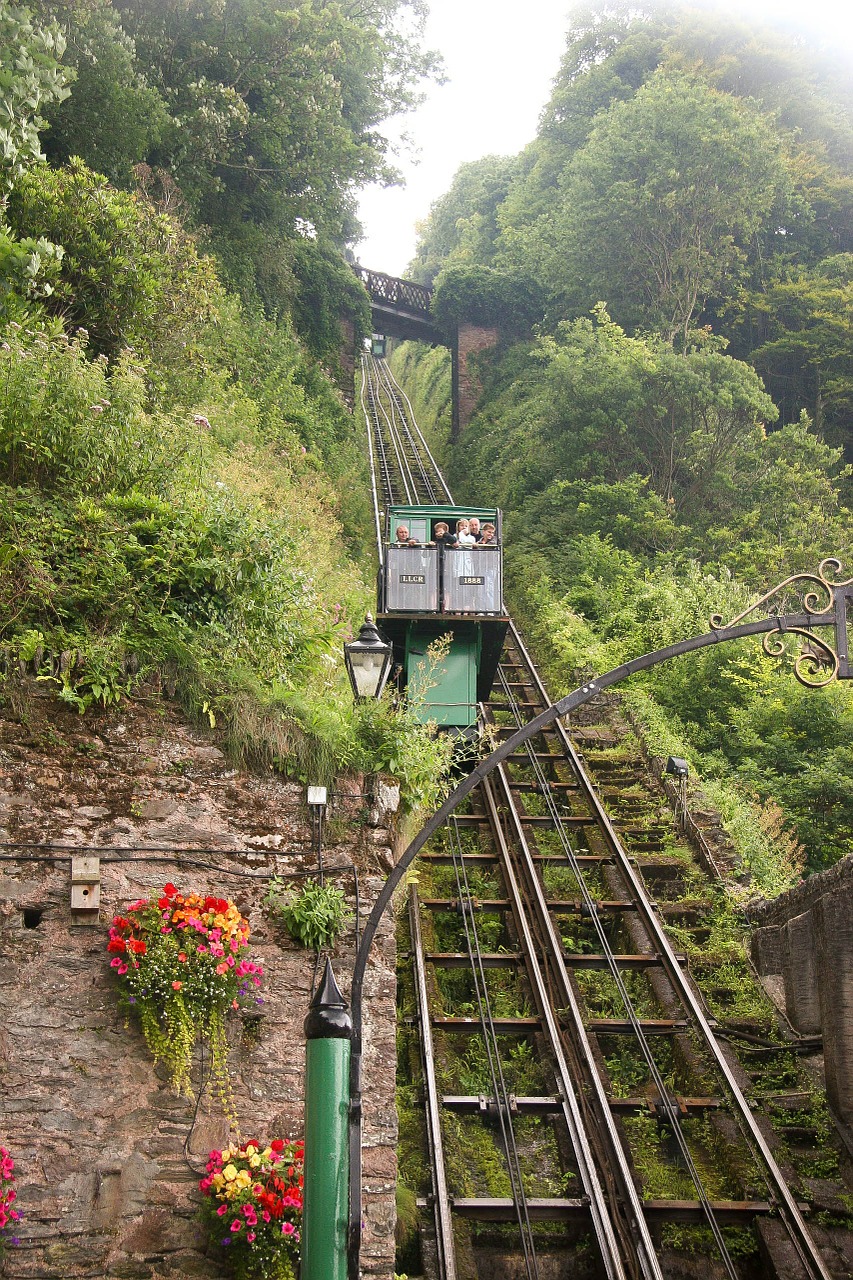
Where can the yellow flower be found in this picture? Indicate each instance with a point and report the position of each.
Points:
(254, 1161)
(229, 1173)
(218, 1181)
(243, 1178)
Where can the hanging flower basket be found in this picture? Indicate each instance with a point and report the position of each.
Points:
(253, 1208)
(9, 1217)
(182, 965)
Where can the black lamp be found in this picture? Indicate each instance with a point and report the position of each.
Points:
(678, 767)
(368, 661)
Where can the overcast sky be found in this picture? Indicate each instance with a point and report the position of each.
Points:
(500, 58)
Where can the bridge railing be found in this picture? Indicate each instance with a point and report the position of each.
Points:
(405, 295)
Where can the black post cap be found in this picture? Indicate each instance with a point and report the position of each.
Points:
(328, 1017)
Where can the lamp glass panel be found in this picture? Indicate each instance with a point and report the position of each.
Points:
(367, 672)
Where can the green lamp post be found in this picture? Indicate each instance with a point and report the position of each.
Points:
(328, 1028)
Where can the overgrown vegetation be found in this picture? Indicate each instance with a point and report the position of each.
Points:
(182, 493)
(668, 435)
(314, 915)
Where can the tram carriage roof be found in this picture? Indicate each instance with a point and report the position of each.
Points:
(444, 511)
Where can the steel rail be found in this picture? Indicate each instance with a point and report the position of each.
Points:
(567, 1092)
(406, 478)
(399, 414)
(548, 719)
(423, 443)
(378, 436)
(637, 1233)
(790, 1213)
(553, 952)
(380, 547)
(500, 1092)
(441, 1199)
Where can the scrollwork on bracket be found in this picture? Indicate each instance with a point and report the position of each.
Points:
(817, 664)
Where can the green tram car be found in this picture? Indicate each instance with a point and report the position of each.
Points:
(427, 592)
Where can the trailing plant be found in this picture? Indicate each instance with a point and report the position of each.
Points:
(8, 1195)
(182, 967)
(314, 915)
(253, 1207)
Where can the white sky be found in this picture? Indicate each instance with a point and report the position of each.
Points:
(500, 58)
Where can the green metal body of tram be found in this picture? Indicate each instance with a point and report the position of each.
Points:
(429, 592)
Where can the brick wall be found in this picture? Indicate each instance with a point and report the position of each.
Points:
(98, 1136)
(467, 388)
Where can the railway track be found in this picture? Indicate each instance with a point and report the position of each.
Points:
(557, 1025)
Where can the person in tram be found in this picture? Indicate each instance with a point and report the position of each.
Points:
(403, 539)
(474, 528)
(488, 536)
(463, 535)
(442, 537)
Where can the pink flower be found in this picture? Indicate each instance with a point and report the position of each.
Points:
(250, 1236)
(236, 1225)
(222, 1210)
(287, 1228)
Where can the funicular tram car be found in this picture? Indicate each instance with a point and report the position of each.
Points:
(430, 591)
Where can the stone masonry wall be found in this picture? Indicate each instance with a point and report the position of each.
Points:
(107, 1154)
(806, 937)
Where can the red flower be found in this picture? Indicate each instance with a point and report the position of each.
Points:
(137, 946)
(163, 903)
(210, 903)
(276, 1144)
(116, 944)
(169, 890)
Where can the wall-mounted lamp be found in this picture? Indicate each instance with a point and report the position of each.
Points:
(368, 661)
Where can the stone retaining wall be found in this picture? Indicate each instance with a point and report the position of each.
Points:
(107, 1154)
(806, 936)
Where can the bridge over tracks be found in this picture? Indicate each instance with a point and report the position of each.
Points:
(400, 308)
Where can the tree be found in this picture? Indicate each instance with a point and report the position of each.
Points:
(807, 355)
(30, 78)
(462, 225)
(658, 207)
(130, 275)
(113, 118)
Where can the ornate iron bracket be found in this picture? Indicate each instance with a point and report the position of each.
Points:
(824, 601)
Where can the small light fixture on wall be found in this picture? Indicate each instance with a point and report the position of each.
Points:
(316, 799)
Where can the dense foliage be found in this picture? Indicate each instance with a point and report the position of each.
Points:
(668, 436)
(182, 491)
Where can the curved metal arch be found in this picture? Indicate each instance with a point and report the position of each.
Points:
(798, 624)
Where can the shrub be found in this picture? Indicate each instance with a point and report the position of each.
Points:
(130, 276)
(314, 915)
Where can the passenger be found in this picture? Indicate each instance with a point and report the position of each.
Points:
(474, 528)
(488, 538)
(463, 536)
(442, 537)
(403, 539)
